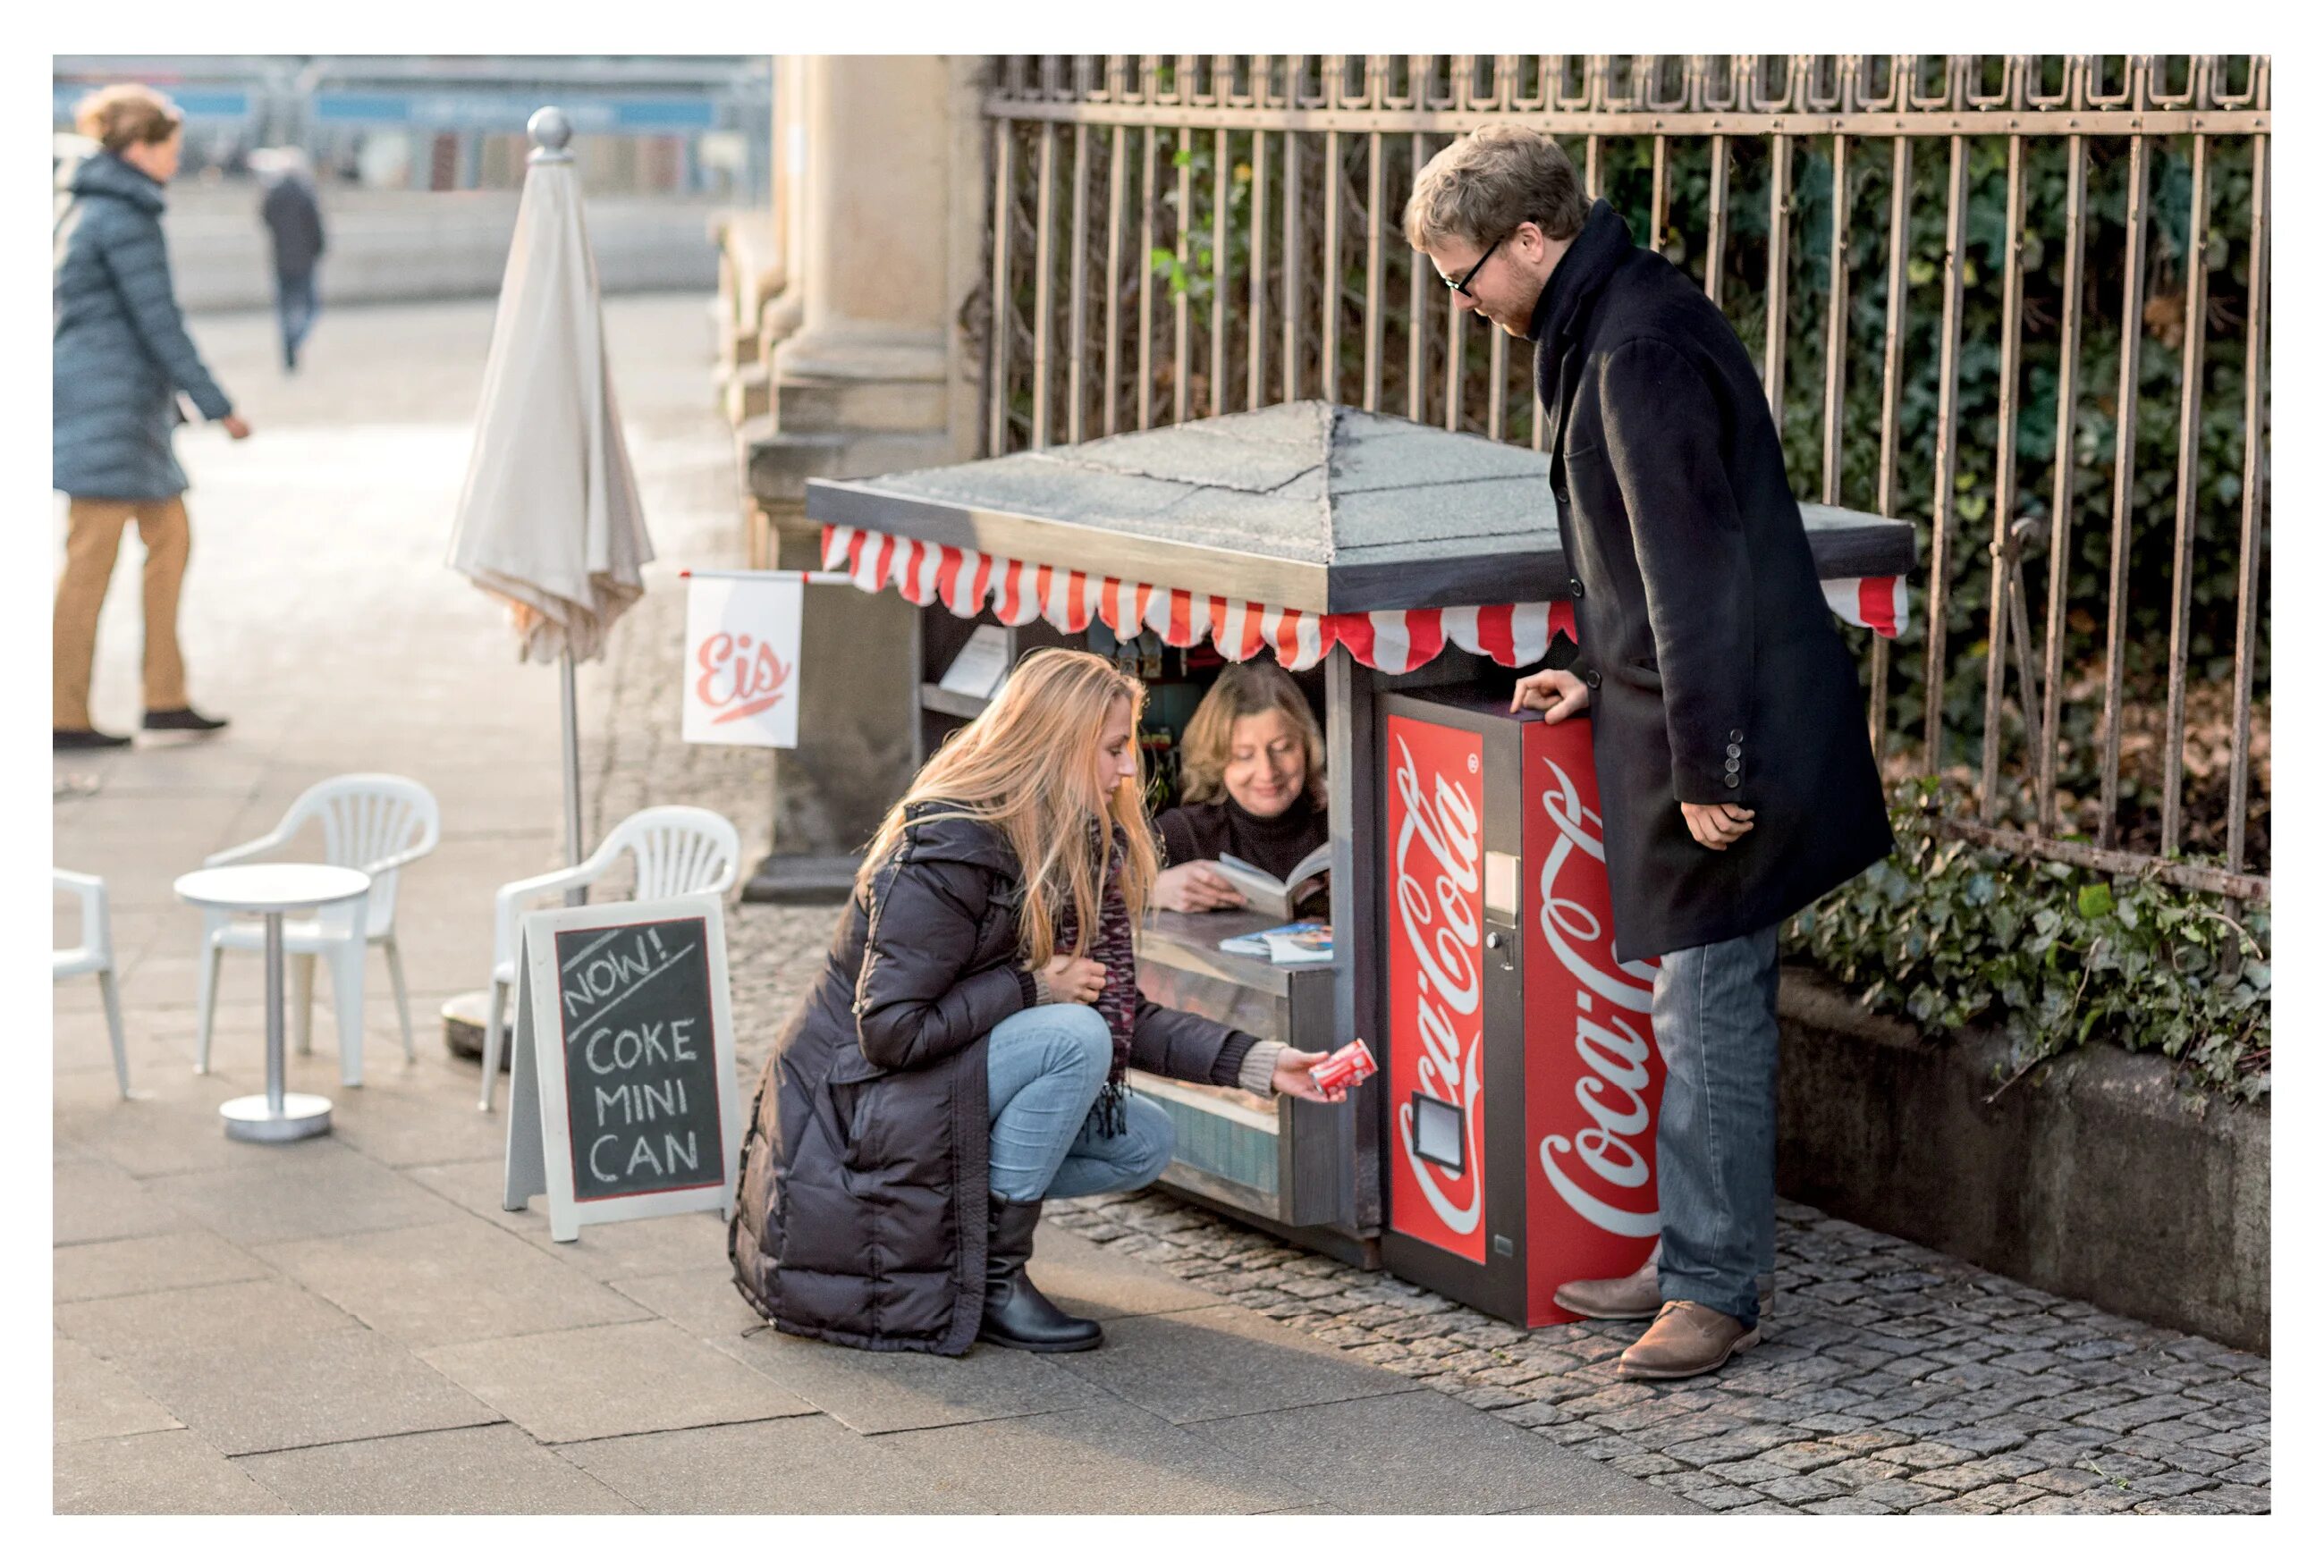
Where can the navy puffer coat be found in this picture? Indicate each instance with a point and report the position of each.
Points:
(121, 353)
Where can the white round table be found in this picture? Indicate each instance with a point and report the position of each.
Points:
(271, 890)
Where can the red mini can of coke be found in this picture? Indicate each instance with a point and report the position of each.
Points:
(1344, 1068)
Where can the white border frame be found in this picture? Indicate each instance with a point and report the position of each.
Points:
(539, 1132)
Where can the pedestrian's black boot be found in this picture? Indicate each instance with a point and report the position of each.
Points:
(182, 719)
(1016, 1313)
(86, 740)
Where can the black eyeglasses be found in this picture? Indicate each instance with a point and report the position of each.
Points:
(1461, 285)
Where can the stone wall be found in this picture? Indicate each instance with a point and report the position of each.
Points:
(2088, 1178)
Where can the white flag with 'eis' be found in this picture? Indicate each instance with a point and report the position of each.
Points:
(741, 674)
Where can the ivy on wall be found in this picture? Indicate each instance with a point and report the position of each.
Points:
(1949, 935)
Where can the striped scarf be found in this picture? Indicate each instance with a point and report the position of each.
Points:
(1116, 947)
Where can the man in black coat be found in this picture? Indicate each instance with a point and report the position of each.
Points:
(1734, 771)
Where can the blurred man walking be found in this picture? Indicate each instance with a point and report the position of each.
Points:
(294, 219)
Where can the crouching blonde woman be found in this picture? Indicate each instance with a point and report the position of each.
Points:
(961, 1057)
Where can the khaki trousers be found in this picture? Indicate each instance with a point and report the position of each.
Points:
(92, 544)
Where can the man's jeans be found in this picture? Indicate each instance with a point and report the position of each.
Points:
(1715, 1146)
(294, 311)
(1043, 1069)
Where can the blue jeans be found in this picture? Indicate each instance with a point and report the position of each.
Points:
(1715, 1146)
(1043, 1069)
(294, 311)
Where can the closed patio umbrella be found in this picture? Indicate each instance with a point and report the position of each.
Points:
(549, 520)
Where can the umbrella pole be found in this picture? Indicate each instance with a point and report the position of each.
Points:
(574, 896)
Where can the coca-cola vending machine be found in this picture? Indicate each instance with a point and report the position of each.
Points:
(1521, 1080)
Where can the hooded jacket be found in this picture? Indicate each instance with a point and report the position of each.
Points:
(120, 351)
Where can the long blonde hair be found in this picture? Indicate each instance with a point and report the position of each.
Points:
(1240, 691)
(1027, 765)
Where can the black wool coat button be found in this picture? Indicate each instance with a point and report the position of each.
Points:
(1590, 679)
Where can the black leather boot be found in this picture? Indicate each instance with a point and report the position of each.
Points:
(1016, 1313)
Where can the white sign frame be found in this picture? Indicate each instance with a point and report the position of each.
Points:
(540, 1130)
(749, 622)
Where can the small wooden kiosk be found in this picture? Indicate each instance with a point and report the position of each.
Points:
(1416, 570)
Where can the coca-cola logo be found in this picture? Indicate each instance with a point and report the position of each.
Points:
(739, 676)
(1613, 1037)
(1437, 914)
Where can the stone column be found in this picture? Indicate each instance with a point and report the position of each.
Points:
(883, 218)
(785, 189)
(782, 316)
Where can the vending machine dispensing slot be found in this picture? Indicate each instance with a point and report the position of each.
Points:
(1439, 1133)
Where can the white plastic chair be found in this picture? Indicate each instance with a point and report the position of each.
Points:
(678, 849)
(377, 823)
(94, 956)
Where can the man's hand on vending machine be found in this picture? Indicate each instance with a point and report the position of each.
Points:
(1556, 695)
(1718, 826)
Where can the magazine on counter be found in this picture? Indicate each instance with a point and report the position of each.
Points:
(1268, 895)
(1301, 942)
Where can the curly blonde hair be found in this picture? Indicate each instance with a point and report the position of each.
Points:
(1482, 186)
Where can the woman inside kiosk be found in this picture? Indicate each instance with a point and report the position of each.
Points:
(962, 1055)
(1253, 771)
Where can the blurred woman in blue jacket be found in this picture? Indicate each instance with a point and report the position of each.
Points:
(121, 358)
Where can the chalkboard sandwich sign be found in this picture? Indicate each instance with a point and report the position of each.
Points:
(623, 1103)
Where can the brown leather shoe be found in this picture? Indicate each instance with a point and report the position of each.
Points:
(1687, 1339)
(1633, 1295)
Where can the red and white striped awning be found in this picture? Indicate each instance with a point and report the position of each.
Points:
(970, 581)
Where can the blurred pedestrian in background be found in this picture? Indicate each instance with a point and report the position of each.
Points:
(295, 219)
(121, 357)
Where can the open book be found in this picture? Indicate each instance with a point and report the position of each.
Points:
(1267, 895)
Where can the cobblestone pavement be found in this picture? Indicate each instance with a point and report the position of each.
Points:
(1894, 1379)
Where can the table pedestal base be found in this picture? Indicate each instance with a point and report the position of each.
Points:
(269, 892)
(302, 1116)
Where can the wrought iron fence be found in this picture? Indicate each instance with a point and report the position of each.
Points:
(1937, 261)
